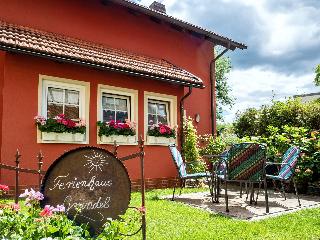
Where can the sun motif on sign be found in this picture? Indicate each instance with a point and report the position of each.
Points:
(95, 161)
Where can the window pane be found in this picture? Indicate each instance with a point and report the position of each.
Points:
(55, 95)
(152, 108)
(71, 111)
(152, 119)
(108, 103)
(162, 119)
(122, 116)
(54, 109)
(121, 104)
(108, 115)
(72, 97)
(162, 109)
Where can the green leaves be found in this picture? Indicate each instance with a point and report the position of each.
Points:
(317, 77)
(191, 148)
(255, 122)
(223, 89)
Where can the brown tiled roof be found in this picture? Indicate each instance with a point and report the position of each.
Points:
(207, 34)
(30, 41)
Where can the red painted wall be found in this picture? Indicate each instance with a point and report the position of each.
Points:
(20, 105)
(110, 25)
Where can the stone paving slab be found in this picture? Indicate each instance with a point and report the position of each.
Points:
(240, 208)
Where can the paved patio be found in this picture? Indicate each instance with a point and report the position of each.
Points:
(241, 209)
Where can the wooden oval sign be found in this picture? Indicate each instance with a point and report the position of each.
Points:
(90, 179)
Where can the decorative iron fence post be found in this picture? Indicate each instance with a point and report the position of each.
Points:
(40, 163)
(18, 156)
(144, 224)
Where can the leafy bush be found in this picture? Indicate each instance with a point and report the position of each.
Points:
(191, 148)
(278, 141)
(254, 122)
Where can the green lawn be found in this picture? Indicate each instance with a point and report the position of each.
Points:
(173, 220)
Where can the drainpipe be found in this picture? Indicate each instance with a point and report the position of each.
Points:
(181, 117)
(213, 92)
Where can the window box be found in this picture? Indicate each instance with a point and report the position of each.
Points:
(152, 140)
(62, 137)
(120, 139)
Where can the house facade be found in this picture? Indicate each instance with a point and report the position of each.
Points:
(100, 61)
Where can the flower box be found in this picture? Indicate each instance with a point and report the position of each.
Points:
(62, 137)
(120, 139)
(160, 140)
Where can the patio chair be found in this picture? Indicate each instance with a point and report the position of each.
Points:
(182, 170)
(244, 163)
(287, 169)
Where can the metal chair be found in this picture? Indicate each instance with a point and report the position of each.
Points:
(287, 169)
(182, 170)
(244, 163)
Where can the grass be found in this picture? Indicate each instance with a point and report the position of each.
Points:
(173, 220)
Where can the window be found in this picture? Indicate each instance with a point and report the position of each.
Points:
(64, 96)
(118, 104)
(158, 112)
(115, 107)
(159, 108)
(63, 101)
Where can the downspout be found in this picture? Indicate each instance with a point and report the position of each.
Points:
(213, 92)
(181, 117)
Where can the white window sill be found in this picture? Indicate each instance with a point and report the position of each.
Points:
(120, 140)
(52, 137)
(160, 141)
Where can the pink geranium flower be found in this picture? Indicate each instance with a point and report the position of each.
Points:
(4, 188)
(47, 211)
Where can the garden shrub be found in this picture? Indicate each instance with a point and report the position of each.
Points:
(191, 148)
(254, 122)
(282, 125)
(278, 141)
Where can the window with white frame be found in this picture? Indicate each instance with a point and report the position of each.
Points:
(158, 112)
(115, 107)
(159, 108)
(63, 98)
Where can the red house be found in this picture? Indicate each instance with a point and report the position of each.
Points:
(100, 61)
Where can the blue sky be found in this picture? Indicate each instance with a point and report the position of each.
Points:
(283, 39)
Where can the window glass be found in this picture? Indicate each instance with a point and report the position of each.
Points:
(157, 112)
(63, 101)
(115, 107)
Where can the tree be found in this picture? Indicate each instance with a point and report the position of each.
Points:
(317, 78)
(223, 89)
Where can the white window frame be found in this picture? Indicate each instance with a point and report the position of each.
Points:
(166, 103)
(130, 94)
(123, 96)
(84, 100)
(172, 113)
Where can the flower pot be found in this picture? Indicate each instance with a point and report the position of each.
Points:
(120, 139)
(65, 137)
(49, 136)
(62, 137)
(78, 137)
(160, 140)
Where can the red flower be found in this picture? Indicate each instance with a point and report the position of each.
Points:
(46, 212)
(162, 130)
(4, 188)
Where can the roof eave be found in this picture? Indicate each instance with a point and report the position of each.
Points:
(99, 66)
